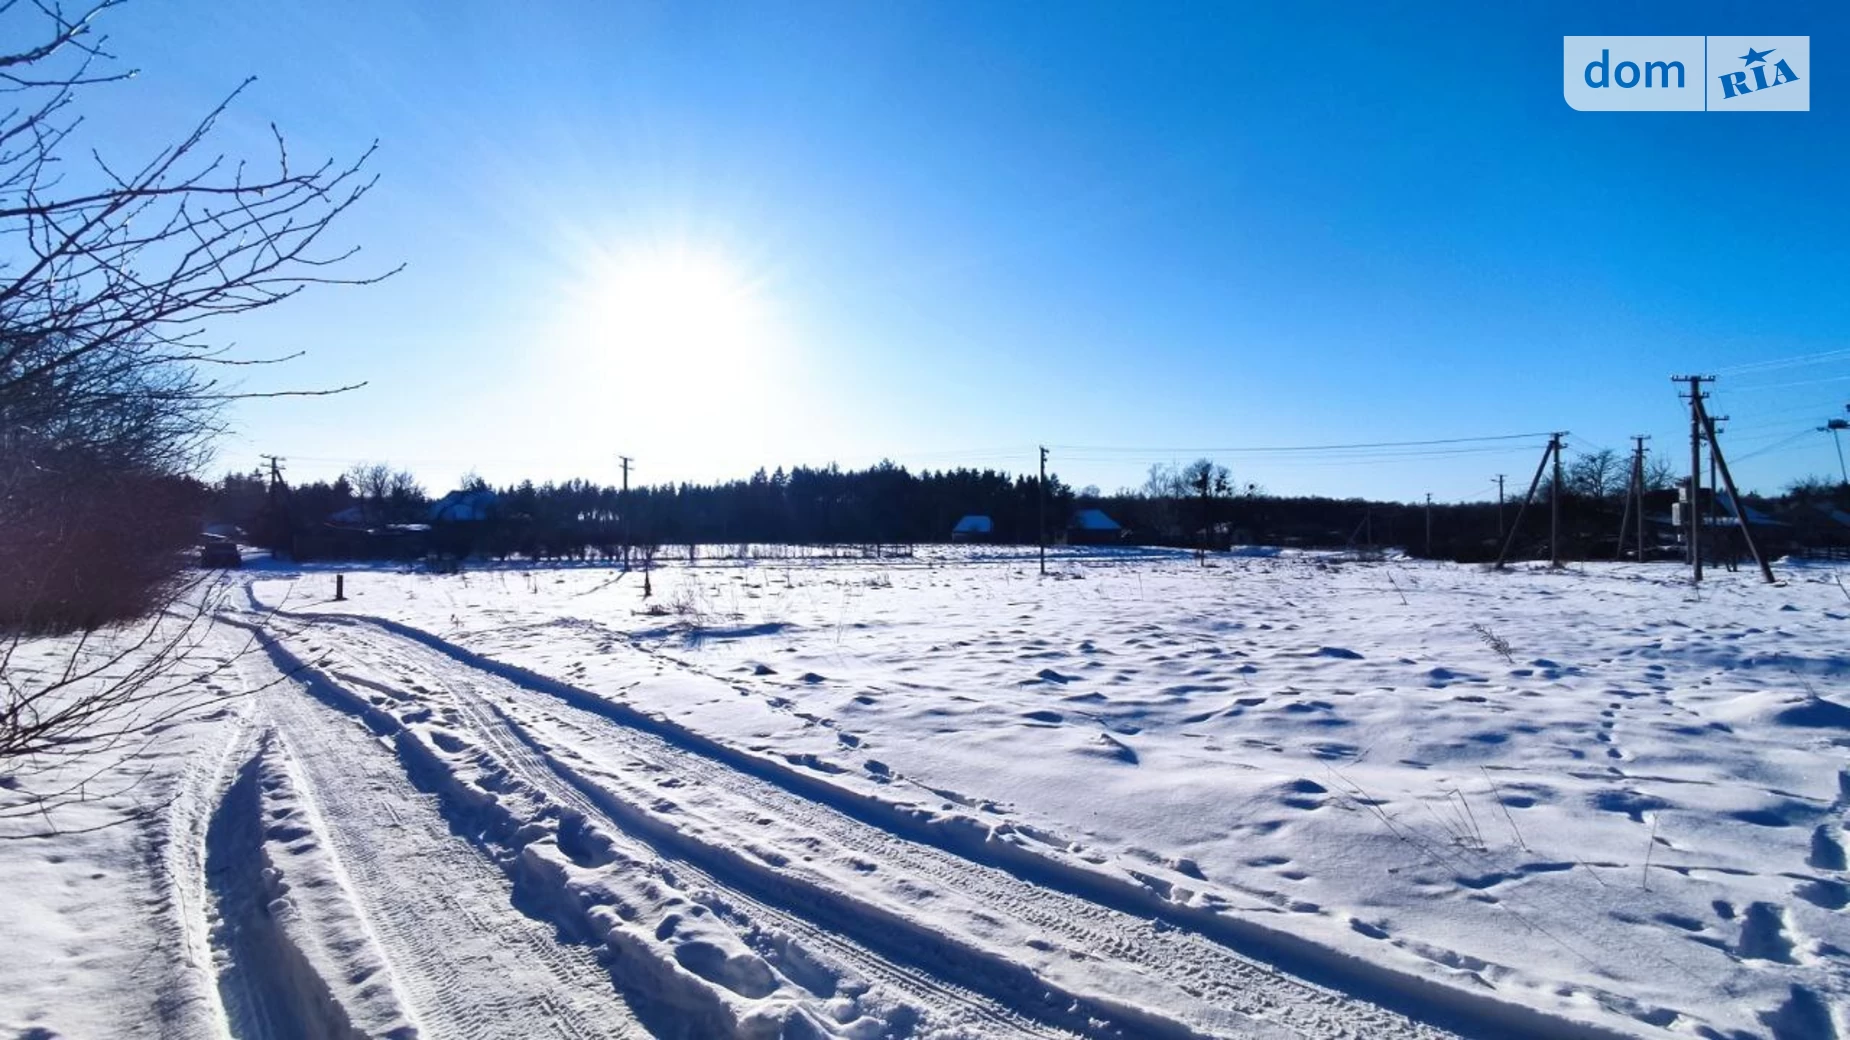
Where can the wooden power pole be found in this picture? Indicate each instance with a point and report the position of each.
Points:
(1552, 451)
(1499, 505)
(1692, 514)
(1634, 501)
(1429, 525)
(1714, 505)
(1554, 506)
(1043, 511)
(1734, 497)
(624, 500)
(279, 502)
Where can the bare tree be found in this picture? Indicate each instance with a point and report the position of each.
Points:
(404, 492)
(1659, 474)
(1164, 481)
(1597, 475)
(1210, 483)
(112, 272)
(133, 261)
(370, 480)
(1163, 488)
(384, 493)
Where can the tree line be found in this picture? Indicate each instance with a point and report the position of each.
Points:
(375, 510)
(884, 504)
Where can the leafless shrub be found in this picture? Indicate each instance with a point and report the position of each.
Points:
(689, 603)
(111, 274)
(1497, 644)
(1460, 823)
(76, 711)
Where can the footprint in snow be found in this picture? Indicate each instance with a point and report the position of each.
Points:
(1763, 934)
(1363, 927)
(1804, 1016)
(1827, 853)
(1104, 744)
(1824, 893)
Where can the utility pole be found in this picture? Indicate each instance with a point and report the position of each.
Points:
(1499, 505)
(1714, 506)
(1625, 518)
(278, 508)
(276, 474)
(1734, 497)
(624, 500)
(1638, 490)
(1553, 450)
(1429, 525)
(1043, 511)
(1831, 427)
(1554, 505)
(1692, 517)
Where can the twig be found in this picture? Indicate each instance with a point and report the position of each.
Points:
(1498, 794)
(1649, 847)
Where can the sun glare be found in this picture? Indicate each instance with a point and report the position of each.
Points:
(672, 348)
(651, 312)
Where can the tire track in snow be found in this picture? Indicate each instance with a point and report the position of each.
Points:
(576, 896)
(266, 990)
(1216, 989)
(189, 1002)
(468, 973)
(489, 724)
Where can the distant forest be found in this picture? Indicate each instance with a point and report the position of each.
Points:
(378, 511)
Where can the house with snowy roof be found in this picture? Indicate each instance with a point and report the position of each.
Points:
(462, 507)
(973, 528)
(1093, 527)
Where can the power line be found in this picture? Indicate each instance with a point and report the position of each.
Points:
(1792, 361)
(1299, 447)
(1332, 458)
(1794, 439)
(1786, 386)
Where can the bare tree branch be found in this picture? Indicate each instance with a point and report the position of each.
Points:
(113, 271)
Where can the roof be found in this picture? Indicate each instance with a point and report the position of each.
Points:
(1754, 516)
(463, 506)
(973, 524)
(1094, 520)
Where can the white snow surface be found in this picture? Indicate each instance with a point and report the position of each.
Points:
(1282, 794)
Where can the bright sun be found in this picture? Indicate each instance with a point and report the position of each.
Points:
(653, 311)
(671, 348)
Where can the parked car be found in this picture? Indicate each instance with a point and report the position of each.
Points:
(220, 554)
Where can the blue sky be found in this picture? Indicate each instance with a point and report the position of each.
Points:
(946, 232)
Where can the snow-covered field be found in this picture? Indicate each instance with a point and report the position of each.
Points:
(1281, 795)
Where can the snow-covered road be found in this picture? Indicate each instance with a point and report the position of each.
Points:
(758, 906)
(434, 912)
